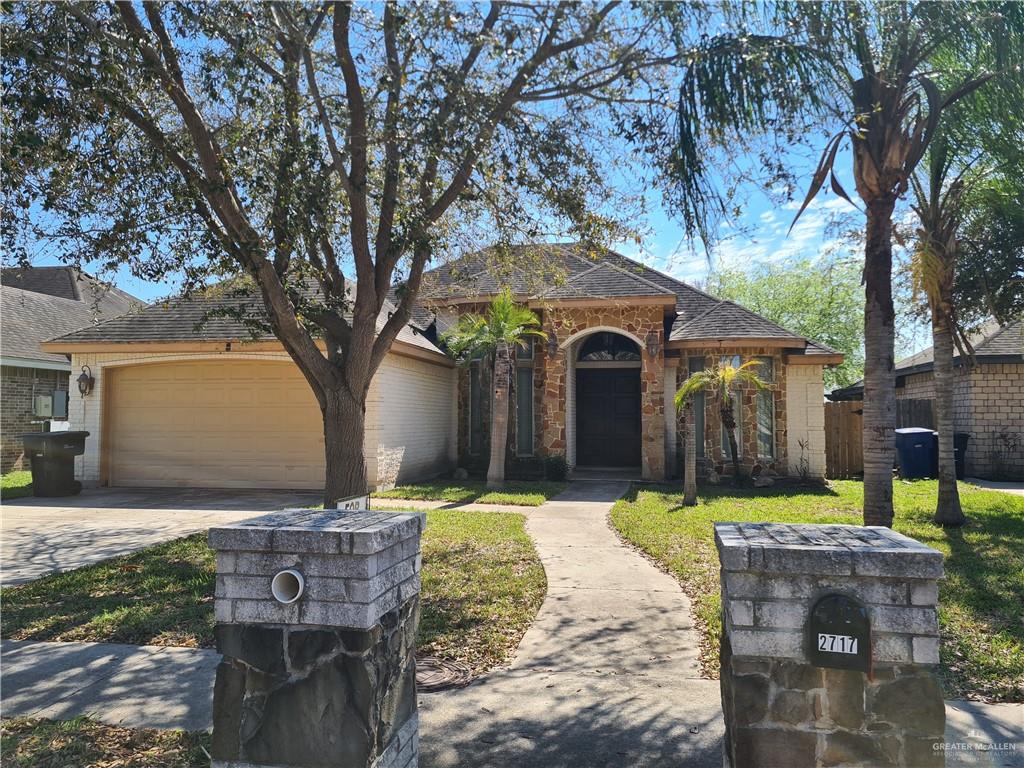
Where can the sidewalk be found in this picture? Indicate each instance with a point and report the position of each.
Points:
(147, 686)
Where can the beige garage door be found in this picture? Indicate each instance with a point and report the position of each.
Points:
(213, 424)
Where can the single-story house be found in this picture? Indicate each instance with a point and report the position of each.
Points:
(39, 302)
(179, 401)
(988, 398)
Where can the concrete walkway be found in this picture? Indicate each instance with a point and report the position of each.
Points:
(42, 536)
(1016, 488)
(606, 676)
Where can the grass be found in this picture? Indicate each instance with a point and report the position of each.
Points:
(34, 743)
(980, 599)
(482, 586)
(15, 485)
(515, 493)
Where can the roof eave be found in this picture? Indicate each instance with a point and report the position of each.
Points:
(731, 342)
(219, 345)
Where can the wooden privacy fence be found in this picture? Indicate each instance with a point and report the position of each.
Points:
(915, 413)
(844, 456)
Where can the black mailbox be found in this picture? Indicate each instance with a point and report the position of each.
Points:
(839, 634)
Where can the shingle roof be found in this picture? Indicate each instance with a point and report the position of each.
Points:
(27, 318)
(570, 270)
(728, 320)
(68, 283)
(215, 316)
(605, 281)
(991, 340)
(991, 343)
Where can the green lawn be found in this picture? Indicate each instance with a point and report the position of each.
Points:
(14, 485)
(32, 743)
(482, 586)
(981, 597)
(516, 493)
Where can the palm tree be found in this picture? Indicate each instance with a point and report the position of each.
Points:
(964, 171)
(867, 67)
(492, 337)
(689, 454)
(721, 379)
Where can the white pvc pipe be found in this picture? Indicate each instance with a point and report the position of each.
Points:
(287, 586)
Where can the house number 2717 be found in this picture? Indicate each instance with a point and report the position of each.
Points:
(837, 643)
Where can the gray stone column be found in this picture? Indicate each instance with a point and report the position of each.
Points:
(317, 612)
(782, 710)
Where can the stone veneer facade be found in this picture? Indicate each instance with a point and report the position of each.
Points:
(329, 680)
(782, 710)
(713, 455)
(988, 404)
(660, 376)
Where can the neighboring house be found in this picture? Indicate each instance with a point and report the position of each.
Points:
(988, 398)
(179, 401)
(37, 304)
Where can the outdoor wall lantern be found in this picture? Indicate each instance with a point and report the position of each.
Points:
(552, 344)
(653, 347)
(86, 381)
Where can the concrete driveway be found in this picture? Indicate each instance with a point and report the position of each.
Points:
(41, 536)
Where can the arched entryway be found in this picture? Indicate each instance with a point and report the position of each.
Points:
(607, 418)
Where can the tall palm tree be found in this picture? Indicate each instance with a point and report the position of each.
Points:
(976, 151)
(864, 66)
(493, 337)
(722, 379)
(939, 206)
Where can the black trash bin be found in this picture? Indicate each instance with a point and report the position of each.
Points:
(960, 440)
(917, 452)
(53, 461)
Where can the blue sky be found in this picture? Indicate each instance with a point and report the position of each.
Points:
(760, 235)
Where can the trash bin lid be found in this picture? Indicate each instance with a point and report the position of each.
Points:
(55, 435)
(914, 431)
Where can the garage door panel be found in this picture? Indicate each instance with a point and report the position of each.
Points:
(228, 424)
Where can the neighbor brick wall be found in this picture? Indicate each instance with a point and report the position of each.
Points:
(918, 386)
(988, 404)
(19, 386)
(995, 403)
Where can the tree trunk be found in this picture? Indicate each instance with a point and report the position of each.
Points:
(689, 457)
(948, 510)
(344, 430)
(730, 428)
(499, 418)
(879, 376)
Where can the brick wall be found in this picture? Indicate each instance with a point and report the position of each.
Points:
(988, 404)
(919, 386)
(19, 387)
(995, 411)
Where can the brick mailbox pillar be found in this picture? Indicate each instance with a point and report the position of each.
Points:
(317, 612)
(830, 634)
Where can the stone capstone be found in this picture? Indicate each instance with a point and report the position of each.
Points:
(355, 690)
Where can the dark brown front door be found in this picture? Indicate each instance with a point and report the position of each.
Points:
(608, 417)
